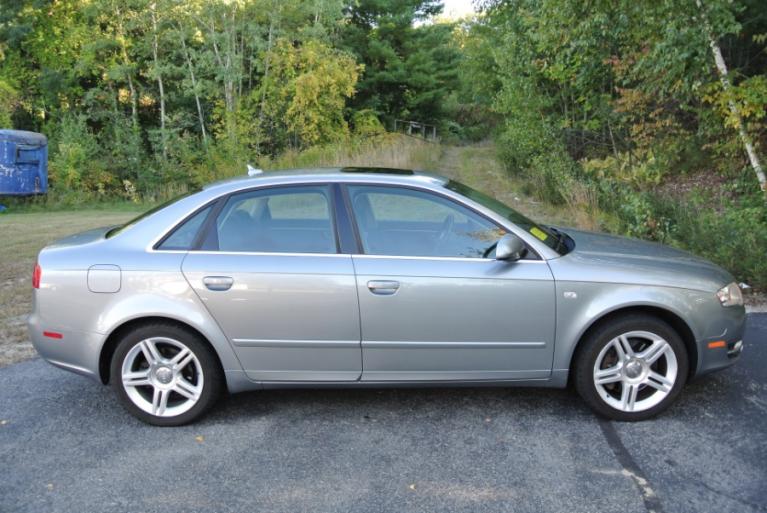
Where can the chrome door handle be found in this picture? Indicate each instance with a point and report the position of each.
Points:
(218, 283)
(383, 287)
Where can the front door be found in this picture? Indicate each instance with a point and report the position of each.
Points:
(434, 304)
(271, 275)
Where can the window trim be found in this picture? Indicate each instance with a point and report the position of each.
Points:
(348, 237)
(532, 254)
(157, 246)
(341, 202)
(207, 227)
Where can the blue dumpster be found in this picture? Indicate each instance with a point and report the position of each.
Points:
(23, 163)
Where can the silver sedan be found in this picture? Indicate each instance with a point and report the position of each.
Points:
(374, 277)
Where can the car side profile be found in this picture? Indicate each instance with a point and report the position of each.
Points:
(374, 277)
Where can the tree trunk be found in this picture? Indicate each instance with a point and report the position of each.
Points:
(724, 77)
(127, 64)
(226, 67)
(155, 54)
(264, 84)
(190, 65)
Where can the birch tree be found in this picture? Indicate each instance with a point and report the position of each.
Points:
(156, 72)
(724, 77)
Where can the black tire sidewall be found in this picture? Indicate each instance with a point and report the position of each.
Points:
(211, 369)
(601, 336)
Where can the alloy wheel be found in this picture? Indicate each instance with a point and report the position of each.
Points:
(162, 376)
(635, 371)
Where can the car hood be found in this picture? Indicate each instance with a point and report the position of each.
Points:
(626, 260)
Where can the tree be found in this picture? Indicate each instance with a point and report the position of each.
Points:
(408, 68)
(735, 111)
(307, 91)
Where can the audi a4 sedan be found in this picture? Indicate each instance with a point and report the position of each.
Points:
(368, 277)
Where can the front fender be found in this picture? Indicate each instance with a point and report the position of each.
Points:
(580, 305)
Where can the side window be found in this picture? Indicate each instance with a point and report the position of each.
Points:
(183, 236)
(397, 221)
(276, 220)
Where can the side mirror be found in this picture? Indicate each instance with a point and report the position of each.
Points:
(510, 247)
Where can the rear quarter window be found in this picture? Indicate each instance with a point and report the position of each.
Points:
(184, 235)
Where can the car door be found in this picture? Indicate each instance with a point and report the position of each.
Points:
(270, 273)
(434, 304)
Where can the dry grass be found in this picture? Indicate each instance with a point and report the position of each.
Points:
(21, 238)
(477, 166)
(386, 150)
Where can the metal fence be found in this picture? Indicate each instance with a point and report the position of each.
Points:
(415, 128)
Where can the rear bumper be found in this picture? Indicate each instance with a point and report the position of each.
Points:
(74, 351)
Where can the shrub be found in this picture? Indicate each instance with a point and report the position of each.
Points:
(733, 236)
(366, 123)
(75, 162)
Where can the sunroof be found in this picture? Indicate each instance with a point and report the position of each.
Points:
(377, 170)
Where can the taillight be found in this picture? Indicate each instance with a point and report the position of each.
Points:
(36, 275)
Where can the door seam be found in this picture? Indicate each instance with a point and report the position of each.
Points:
(359, 317)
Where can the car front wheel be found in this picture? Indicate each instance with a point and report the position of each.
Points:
(631, 368)
(165, 375)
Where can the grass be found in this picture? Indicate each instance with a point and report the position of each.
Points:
(477, 166)
(21, 238)
(385, 150)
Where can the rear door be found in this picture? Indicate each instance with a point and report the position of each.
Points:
(434, 303)
(271, 274)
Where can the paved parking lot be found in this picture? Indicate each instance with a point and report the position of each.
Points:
(66, 445)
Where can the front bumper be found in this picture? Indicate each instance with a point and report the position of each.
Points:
(720, 351)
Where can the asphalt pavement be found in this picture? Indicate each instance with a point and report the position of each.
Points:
(67, 446)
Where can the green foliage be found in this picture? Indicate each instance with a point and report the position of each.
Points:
(409, 70)
(731, 234)
(74, 164)
(365, 122)
(307, 90)
(8, 101)
(164, 91)
(604, 103)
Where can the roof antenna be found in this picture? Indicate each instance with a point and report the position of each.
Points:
(253, 171)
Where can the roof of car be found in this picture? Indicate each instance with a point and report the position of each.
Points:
(332, 174)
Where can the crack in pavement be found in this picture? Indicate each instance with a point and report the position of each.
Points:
(630, 467)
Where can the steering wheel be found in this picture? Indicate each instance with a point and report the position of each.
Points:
(447, 227)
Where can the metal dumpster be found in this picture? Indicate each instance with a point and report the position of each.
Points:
(23, 163)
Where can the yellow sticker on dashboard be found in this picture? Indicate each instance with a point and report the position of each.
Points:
(539, 233)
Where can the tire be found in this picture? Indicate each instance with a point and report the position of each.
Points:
(631, 368)
(165, 375)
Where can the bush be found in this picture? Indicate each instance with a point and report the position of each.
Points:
(75, 164)
(734, 237)
(366, 123)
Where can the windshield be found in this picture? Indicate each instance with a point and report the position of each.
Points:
(553, 238)
(119, 229)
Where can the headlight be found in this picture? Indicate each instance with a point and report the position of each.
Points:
(730, 295)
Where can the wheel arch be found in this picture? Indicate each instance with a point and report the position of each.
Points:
(671, 318)
(111, 341)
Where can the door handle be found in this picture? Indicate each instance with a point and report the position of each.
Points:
(383, 287)
(218, 283)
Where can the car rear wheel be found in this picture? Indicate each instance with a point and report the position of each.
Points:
(165, 375)
(631, 368)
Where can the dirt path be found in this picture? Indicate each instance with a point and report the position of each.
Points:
(477, 166)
